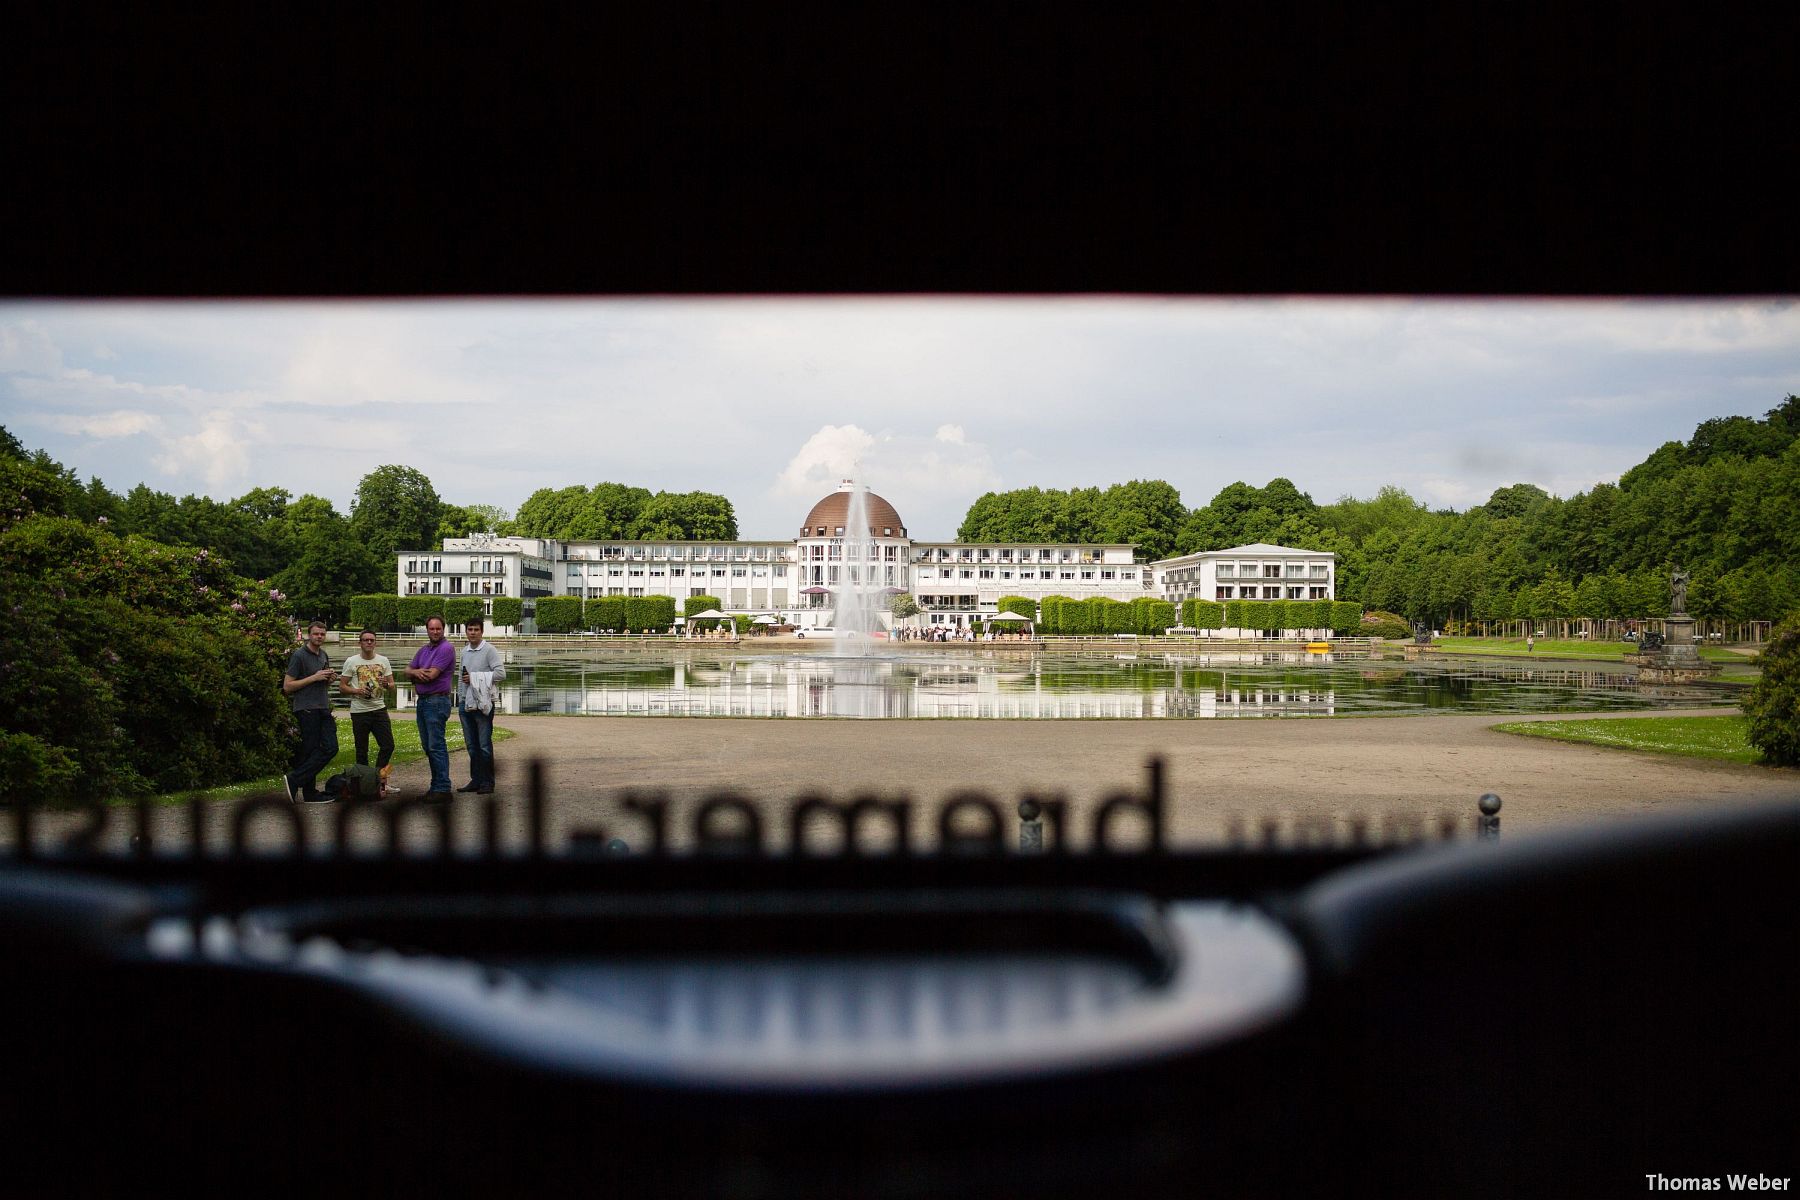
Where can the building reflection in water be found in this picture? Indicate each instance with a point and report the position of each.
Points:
(1057, 687)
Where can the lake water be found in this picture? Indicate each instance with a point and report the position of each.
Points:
(985, 684)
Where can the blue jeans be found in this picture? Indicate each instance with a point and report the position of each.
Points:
(478, 737)
(432, 715)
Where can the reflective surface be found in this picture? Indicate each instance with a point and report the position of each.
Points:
(989, 684)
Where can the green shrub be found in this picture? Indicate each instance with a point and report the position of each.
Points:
(1025, 606)
(378, 611)
(655, 613)
(694, 604)
(460, 610)
(1152, 616)
(1235, 617)
(1112, 616)
(134, 667)
(1385, 625)
(1773, 705)
(604, 612)
(1054, 620)
(1346, 617)
(1203, 614)
(413, 611)
(509, 611)
(559, 614)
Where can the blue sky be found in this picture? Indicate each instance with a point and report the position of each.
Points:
(931, 401)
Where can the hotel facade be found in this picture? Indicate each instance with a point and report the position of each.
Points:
(796, 580)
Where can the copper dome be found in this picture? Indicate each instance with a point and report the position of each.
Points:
(829, 515)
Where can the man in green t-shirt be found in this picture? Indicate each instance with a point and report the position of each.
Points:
(367, 679)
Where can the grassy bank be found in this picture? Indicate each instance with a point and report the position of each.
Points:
(1571, 648)
(1720, 737)
(406, 749)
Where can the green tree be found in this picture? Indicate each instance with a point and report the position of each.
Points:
(904, 606)
(1773, 703)
(396, 508)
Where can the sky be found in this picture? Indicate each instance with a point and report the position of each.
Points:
(931, 402)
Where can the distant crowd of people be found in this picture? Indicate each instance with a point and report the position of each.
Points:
(958, 633)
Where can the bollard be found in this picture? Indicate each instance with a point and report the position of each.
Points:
(1031, 827)
(1487, 826)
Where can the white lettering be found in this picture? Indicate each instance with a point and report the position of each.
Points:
(1756, 1183)
(1664, 1183)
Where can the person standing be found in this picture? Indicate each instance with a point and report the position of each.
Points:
(307, 685)
(367, 679)
(432, 670)
(483, 667)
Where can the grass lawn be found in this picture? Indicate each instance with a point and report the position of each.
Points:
(1697, 737)
(406, 749)
(1571, 648)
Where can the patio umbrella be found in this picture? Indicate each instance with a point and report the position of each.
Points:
(765, 619)
(711, 614)
(815, 590)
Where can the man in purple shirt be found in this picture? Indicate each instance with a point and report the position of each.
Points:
(433, 670)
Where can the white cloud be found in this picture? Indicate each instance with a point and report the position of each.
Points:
(218, 451)
(26, 346)
(104, 353)
(833, 454)
(950, 433)
(122, 422)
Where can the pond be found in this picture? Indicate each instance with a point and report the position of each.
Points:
(986, 684)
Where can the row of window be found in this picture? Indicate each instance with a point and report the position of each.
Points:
(989, 572)
(476, 566)
(1005, 554)
(1250, 570)
(609, 553)
(1270, 592)
(435, 587)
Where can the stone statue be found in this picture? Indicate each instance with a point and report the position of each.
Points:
(1678, 582)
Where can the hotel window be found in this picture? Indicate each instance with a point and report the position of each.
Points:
(1006, 574)
(637, 572)
(1065, 574)
(1128, 575)
(1108, 574)
(456, 585)
(1046, 555)
(637, 591)
(1315, 593)
(656, 574)
(615, 572)
(1293, 593)
(737, 572)
(890, 553)
(1087, 574)
(437, 564)
(780, 572)
(1271, 593)
(1227, 570)
(987, 573)
(1271, 571)
(718, 572)
(965, 554)
(437, 587)
(887, 531)
(1318, 570)
(615, 591)
(1295, 570)
(984, 554)
(677, 572)
(487, 589)
(837, 552)
(412, 566)
(968, 574)
(837, 531)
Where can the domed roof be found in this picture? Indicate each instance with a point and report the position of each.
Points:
(830, 514)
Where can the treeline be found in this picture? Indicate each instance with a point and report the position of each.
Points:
(1721, 505)
(616, 510)
(320, 559)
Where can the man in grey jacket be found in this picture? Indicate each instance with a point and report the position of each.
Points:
(483, 668)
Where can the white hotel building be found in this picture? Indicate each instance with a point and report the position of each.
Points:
(795, 580)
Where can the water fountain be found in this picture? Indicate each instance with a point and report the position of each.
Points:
(860, 598)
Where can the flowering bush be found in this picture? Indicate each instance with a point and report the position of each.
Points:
(132, 666)
(1773, 704)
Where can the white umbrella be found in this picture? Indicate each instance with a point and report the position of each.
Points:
(1009, 616)
(711, 614)
(765, 619)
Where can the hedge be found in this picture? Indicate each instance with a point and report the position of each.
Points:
(655, 613)
(694, 604)
(559, 614)
(1054, 620)
(1203, 614)
(1153, 617)
(1346, 617)
(1234, 615)
(1024, 606)
(413, 611)
(604, 612)
(379, 612)
(509, 611)
(460, 610)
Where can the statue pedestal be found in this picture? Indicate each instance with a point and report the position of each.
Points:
(1676, 661)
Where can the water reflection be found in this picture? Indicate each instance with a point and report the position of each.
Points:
(999, 685)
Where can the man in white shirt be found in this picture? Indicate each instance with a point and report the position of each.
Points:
(483, 668)
(367, 678)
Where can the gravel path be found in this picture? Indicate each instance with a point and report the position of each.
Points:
(1219, 773)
